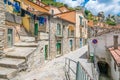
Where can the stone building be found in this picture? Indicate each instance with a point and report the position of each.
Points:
(18, 36)
(62, 39)
(81, 27)
(3, 29)
(114, 52)
(105, 54)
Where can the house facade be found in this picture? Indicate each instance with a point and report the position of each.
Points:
(114, 59)
(46, 24)
(61, 37)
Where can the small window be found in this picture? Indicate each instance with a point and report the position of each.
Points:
(59, 32)
(115, 66)
(52, 12)
(81, 20)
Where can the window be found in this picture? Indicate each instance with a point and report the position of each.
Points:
(59, 32)
(52, 12)
(80, 20)
(71, 31)
(115, 66)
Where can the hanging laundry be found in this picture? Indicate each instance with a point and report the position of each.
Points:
(22, 12)
(17, 7)
(41, 20)
(27, 12)
(5, 1)
(10, 3)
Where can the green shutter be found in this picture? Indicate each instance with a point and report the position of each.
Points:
(36, 29)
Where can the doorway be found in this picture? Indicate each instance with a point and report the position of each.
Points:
(46, 52)
(59, 47)
(71, 45)
(10, 38)
(36, 29)
(103, 69)
(81, 43)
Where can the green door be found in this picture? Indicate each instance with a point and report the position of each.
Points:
(10, 37)
(46, 52)
(36, 29)
(71, 45)
(58, 48)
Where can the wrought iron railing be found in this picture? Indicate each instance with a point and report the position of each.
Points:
(75, 71)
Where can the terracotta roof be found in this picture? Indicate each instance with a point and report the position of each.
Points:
(47, 7)
(56, 9)
(90, 23)
(63, 9)
(115, 54)
(35, 6)
(69, 16)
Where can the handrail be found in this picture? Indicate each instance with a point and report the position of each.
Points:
(69, 67)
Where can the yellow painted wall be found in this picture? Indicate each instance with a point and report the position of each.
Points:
(26, 22)
(9, 8)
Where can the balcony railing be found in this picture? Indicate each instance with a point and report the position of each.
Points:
(59, 35)
(13, 18)
(70, 35)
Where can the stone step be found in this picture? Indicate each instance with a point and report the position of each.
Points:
(7, 73)
(26, 44)
(27, 39)
(20, 52)
(11, 63)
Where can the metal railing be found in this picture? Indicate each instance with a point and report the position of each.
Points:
(75, 71)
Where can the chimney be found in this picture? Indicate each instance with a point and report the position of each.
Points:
(115, 41)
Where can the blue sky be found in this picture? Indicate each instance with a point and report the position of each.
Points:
(95, 6)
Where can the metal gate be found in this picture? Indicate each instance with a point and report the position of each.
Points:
(75, 71)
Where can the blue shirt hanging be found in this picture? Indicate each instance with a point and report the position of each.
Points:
(41, 20)
(5, 1)
(10, 3)
(17, 7)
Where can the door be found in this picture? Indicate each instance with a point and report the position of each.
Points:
(46, 52)
(10, 38)
(36, 29)
(81, 43)
(71, 45)
(58, 48)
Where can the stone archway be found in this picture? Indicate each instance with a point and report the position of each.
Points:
(103, 67)
(104, 70)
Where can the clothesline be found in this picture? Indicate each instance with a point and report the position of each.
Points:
(17, 9)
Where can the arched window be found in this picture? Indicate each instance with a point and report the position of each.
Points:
(59, 32)
(71, 31)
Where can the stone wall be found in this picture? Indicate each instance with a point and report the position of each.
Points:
(65, 40)
(2, 23)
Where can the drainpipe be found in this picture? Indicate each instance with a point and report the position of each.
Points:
(115, 41)
(49, 33)
(119, 72)
(62, 37)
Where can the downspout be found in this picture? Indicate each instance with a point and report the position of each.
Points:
(75, 37)
(49, 33)
(119, 72)
(62, 37)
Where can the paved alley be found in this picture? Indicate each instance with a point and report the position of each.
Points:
(52, 70)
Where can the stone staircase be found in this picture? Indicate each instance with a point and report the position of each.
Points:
(16, 59)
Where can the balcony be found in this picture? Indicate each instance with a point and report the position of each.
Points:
(13, 18)
(59, 35)
(71, 34)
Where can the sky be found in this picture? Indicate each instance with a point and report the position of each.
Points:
(95, 6)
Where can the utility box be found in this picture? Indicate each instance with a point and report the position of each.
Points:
(92, 57)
